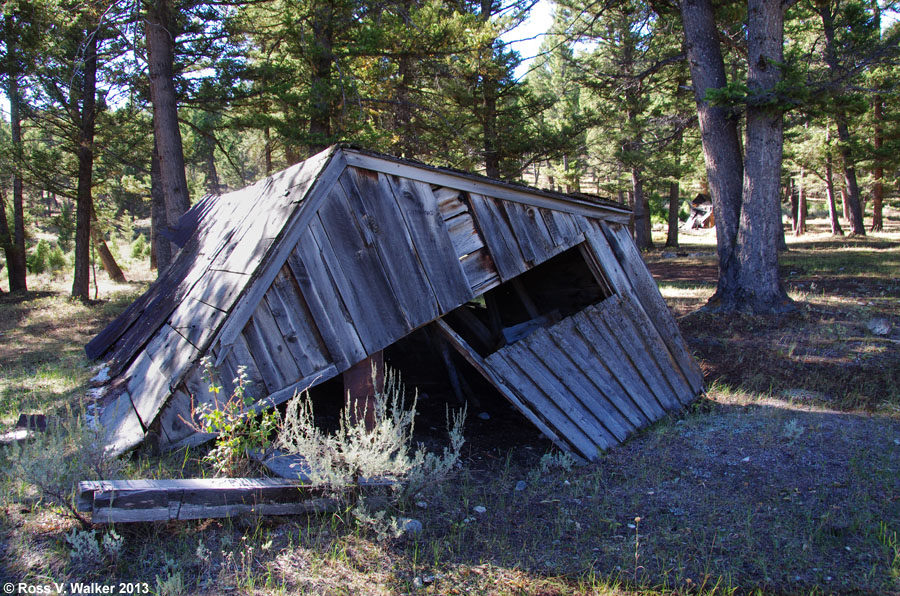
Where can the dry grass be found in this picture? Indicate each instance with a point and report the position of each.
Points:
(784, 479)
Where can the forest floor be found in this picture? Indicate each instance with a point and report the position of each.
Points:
(783, 479)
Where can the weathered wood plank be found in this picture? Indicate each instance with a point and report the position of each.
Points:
(562, 227)
(546, 342)
(547, 403)
(530, 231)
(480, 271)
(310, 184)
(371, 199)
(325, 303)
(485, 186)
(597, 370)
(121, 425)
(432, 242)
(266, 336)
(282, 395)
(358, 275)
(449, 202)
(659, 351)
(514, 213)
(498, 237)
(158, 367)
(541, 363)
(218, 288)
(522, 330)
(635, 351)
(619, 367)
(630, 377)
(240, 356)
(649, 297)
(463, 235)
(117, 501)
(196, 321)
(299, 329)
(497, 380)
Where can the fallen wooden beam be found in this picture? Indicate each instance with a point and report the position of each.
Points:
(117, 501)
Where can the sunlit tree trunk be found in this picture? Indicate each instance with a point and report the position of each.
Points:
(160, 36)
(84, 205)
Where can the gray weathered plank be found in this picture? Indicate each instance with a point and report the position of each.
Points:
(524, 377)
(530, 231)
(653, 303)
(311, 380)
(240, 356)
(619, 367)
(358, 275)
(498, 237)
(635, 351)
(371, 199)
(432, 242)
(449, 201)
(542, 364)
(262, 333)
(549, 342)
(325, 303)
(597, 370)
(659, 351)
(301, 334)
(628, 376)
(310, 184)
(157, 368)
(463, 235)
(196, 321)
(480, 271)
(485, 186)
(121, 425)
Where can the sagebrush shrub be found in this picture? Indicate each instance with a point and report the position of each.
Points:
(339, 460)
(55, 461)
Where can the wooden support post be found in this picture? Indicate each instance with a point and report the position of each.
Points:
(362, 382)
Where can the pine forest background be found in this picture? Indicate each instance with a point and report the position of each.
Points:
(89, 145)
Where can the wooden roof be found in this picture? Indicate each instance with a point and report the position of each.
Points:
(313, 269)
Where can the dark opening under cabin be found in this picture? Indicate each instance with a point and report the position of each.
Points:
(318, 268)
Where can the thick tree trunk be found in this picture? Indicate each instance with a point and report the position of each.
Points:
(167, 135)
(489, 106)
(642, 229)
(84, 204)
(878, 170)
(854, 212)
(107, 260)
(160, 248)
(836, 229)
(5, 235)
(719, 136)
(674, 204)
(320, 81)
(760, 286)
(15, 254)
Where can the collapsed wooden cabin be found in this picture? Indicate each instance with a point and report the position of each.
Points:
(313, 270)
